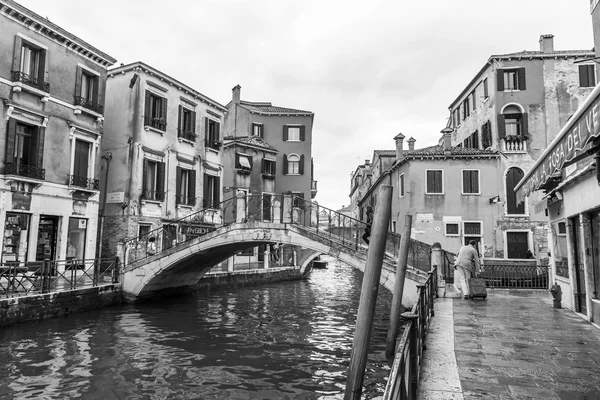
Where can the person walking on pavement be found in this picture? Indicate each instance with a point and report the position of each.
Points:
(367, 233)
(467, 263)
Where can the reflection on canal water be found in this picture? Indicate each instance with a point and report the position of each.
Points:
(288, 340)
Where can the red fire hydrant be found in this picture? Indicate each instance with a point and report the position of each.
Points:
(557, 294)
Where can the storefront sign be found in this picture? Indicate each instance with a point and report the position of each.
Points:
(115, 197)
(573, 140)
(196, 230)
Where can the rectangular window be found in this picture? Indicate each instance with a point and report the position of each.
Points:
(82, 174)
(451, 229)
(473, 104)
(29, 65)
(143, 230)
(562, 228)
(16, 237)
(486, 92)
(511, 79)
(76, 237)
(470, 181)
(187, 124)
(435, 182)
(268, 167)
(258, 130)
(156, 111)
(293, 133)
(212, 134)
(587, 75)
(88, 91)
(153, 180)
(243, 163)
(24, 150)
(401, 185)
(293, 164)
(472, 231)
(186, 187)
(212, 190)
(512, 124)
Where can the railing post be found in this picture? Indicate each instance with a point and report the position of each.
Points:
(437, 259)
(95, 272)
(398, 287)
(368, 296)
(413, 367)
(267, 256)
(314, 215)
(240, 209)
(45, 273)
(277, 211)
(287, 209)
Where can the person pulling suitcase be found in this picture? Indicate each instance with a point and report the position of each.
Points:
(467, 263)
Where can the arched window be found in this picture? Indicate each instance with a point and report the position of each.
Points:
(513, 176)
(293, 164)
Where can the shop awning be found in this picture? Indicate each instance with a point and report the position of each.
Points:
(573, 140)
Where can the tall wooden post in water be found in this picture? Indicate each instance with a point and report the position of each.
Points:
(368, 294)
(399, 287)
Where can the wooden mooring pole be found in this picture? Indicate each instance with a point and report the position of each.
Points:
(398, 287)
(368, 294)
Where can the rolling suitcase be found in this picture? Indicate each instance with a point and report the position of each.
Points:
(477, 288)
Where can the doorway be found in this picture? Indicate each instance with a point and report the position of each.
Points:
(580, 292)
(517, 244)
(47, 238)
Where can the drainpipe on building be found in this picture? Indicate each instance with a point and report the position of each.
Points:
(108, 158)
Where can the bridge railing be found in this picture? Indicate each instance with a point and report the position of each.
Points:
(34, 277)
(404, 375)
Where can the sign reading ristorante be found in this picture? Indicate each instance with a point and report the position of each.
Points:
(574, 141)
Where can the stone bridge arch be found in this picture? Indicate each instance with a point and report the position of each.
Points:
(184, 265)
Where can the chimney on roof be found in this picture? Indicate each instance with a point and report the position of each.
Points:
(547, 43)
(447, 139)
(399, 138)
(411, 143)
(367, 162)
(237, 89)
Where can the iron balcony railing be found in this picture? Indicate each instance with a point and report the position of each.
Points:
(84, 182)
(185, 200)
(25, 170)
(158, 123)
(213, 144)
(89, 104)
(186, 134)
(153, 195)
(404, 375)
(27, 278)
(18, 76)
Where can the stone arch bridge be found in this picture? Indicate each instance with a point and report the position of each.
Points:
(211, 236)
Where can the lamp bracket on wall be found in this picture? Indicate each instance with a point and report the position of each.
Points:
(495, 199)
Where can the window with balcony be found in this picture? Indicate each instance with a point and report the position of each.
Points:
(24, 150)
(511, 79)
(187, 124)
(243, 163)
(88, 91)
(435, 182)
(155, 113)
(186, 187)
(153, 183)
(470, 181)
(29, 64)
(212, 190)
(512, 124)
(212, 138)
(293, 164)
(82, 167)
(587, 75)
(258, 130)
(268, 168)
(293, 133)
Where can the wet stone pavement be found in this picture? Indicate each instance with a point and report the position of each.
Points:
(515, 345)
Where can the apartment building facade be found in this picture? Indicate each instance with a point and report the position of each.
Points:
(516, 104)
(52, 94)
(163, 146)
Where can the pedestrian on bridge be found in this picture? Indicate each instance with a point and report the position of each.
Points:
(467, 263)
(367, 233)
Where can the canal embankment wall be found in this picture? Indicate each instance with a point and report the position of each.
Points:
(220, 280)
(54, 304)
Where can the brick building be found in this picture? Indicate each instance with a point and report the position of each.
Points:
(52, 87)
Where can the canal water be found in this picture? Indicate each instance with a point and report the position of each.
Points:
(288, 340)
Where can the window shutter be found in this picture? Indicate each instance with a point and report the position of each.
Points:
(180, 119)
(476, 140)
(42, 67)
(217, 191)
(583, 76)
(285, 164)
(438, 181)
(591, 75)
(475, 181)
(302, 133)
(41, 133)
(301, 166)
(205, 193)
(192, 187)
(501, 127)
(206, 141)
(263, 168)
(500, 80)
(147, 108)
(101, 91)
(194, 122)
(274, 169)
(10, 140)
(285, 133)
(524, 124)
(95, 92)
(430, 182)
(217, 131)
(522, 85)
(486, 135)
(237, 160)
(163, 111)
(262, 130)
(466, 182)
(160, 184)
(178, 194)
(78, 77)
(144, 178)
(17, 53)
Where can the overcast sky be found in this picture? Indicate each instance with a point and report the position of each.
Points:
(368, 69)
